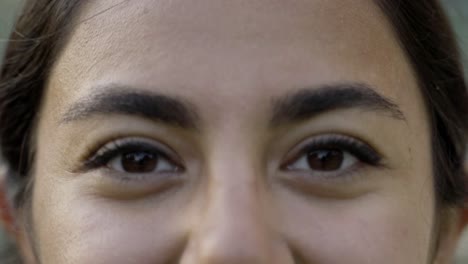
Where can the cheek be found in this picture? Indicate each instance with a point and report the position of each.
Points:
(369, 229)
(73, 227)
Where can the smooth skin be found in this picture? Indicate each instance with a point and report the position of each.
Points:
(231, 189)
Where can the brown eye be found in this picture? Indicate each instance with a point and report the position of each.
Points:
(325, 160)
(139, 162)
(142, 162)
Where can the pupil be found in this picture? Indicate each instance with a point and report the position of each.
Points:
(139, 162)
(325, 160)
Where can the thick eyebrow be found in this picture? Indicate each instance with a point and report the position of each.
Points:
(118, 100)
(310, 102)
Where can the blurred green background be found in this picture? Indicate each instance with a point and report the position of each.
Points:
(8, 11)
(457, 10)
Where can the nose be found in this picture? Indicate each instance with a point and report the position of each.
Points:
(233, 227)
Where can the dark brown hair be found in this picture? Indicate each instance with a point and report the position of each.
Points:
(420, 26)
(36, 39)
(428, 40)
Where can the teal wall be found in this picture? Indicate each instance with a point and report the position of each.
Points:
(458, 12)
(8, 10)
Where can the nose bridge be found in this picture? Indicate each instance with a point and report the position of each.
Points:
(233, 227)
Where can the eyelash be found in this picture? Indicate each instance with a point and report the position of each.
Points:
(109, 151)
(362, 151)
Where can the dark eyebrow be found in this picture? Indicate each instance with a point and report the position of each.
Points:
(307, 103)
(118, 100)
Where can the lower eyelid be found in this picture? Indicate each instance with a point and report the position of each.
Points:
(139, 177)
(119, 186)
(322, 179)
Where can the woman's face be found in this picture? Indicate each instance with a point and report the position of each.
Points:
(233, 132)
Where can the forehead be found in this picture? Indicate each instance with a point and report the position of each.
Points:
(245, 48)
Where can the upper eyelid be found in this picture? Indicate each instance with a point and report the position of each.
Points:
(350, 139)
